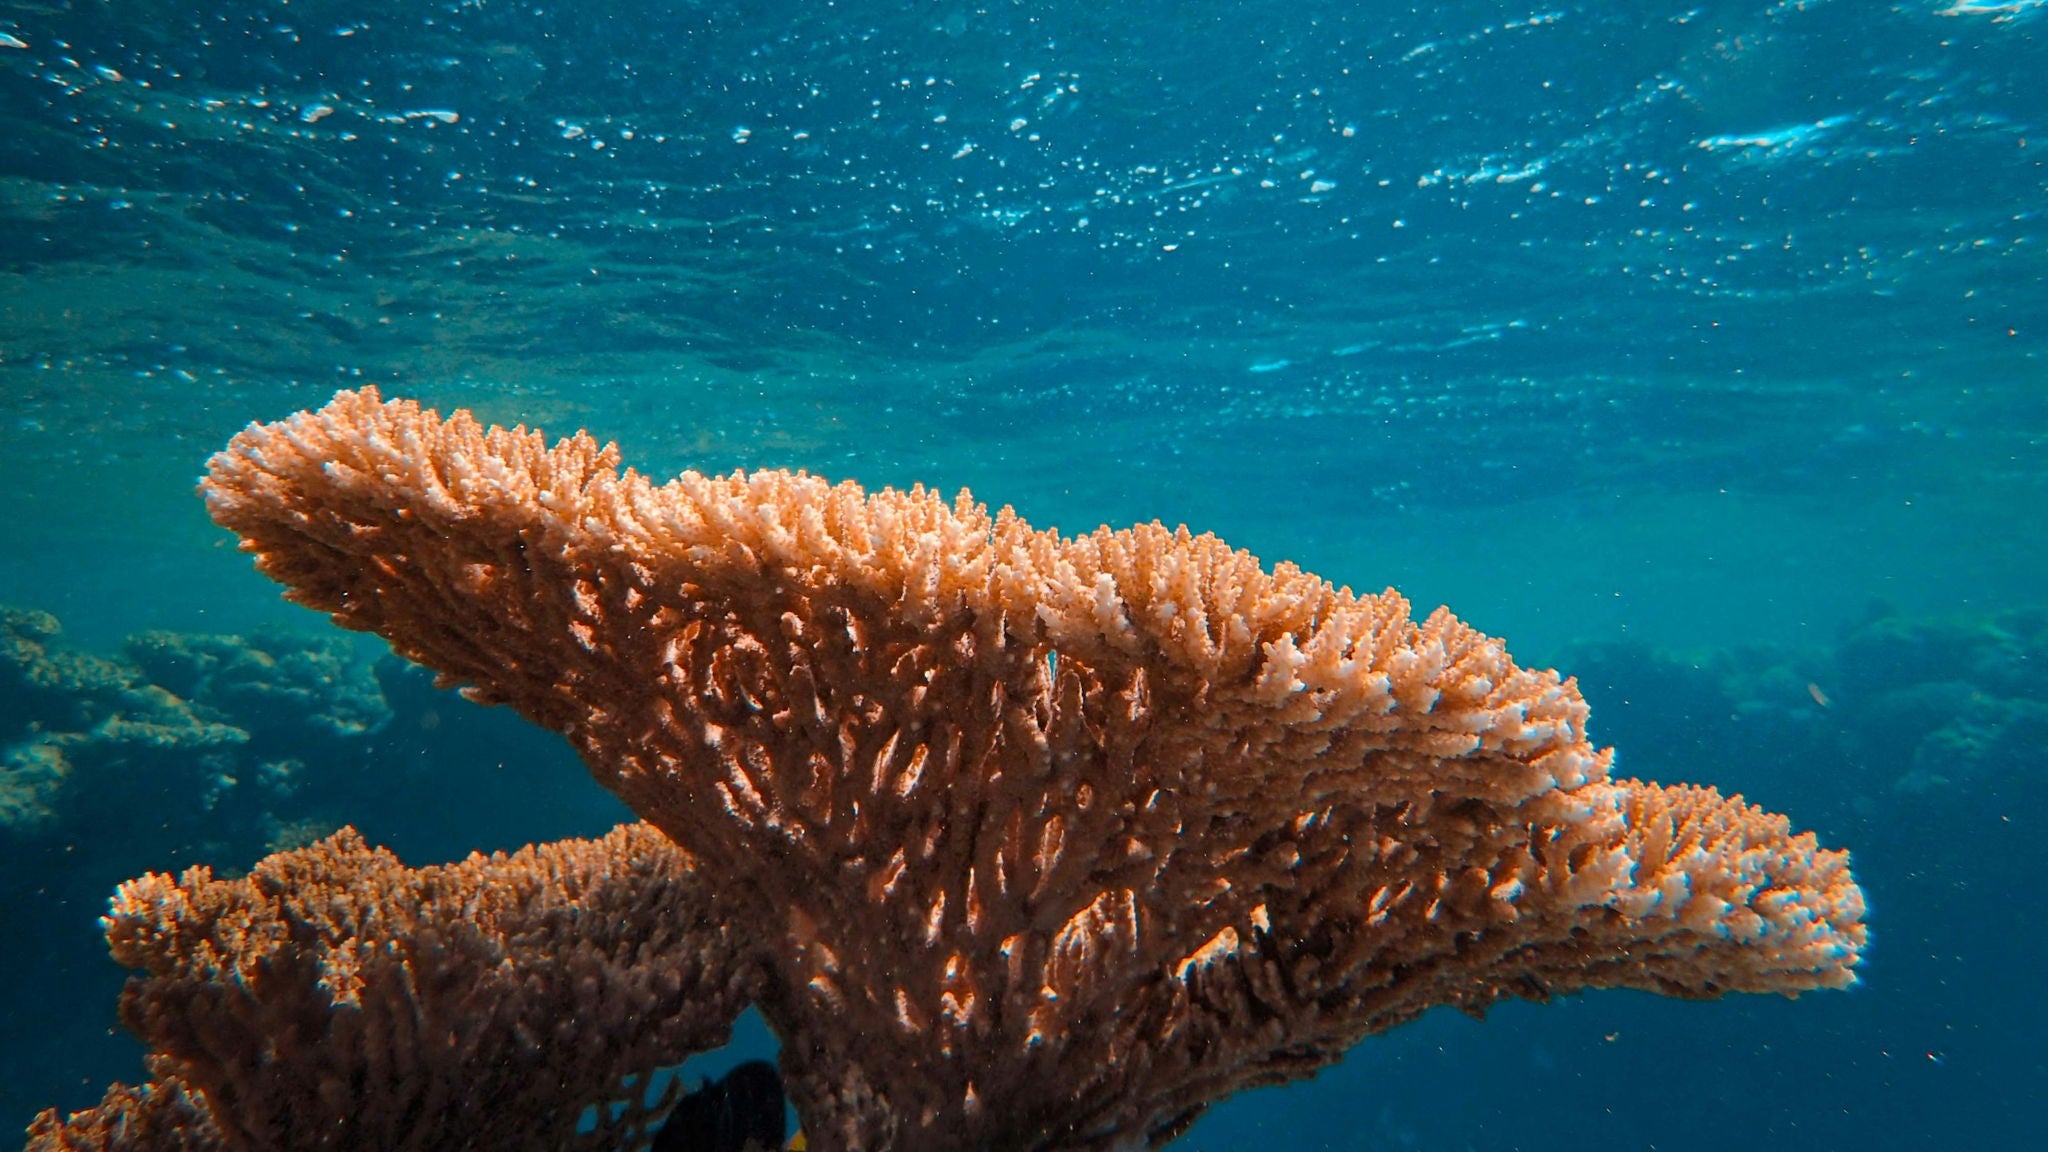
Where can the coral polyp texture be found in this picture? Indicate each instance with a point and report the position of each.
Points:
(335, 999)
(1036, 841)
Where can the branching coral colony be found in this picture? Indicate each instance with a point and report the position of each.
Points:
(1017, 841)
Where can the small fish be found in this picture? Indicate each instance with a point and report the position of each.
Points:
(744, 1111)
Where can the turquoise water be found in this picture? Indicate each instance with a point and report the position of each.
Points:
(1693, 347)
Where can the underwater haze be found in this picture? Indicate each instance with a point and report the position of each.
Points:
(1697, 349)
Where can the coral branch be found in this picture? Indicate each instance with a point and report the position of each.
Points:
(335, 999)
(1059, 840)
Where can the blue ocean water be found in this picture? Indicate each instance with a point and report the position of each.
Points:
(1695, 348)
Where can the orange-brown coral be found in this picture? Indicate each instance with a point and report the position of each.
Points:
(1063, 838)
(335, 999)
(163, 1115)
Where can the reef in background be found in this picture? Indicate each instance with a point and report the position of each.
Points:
(210, 739)
(1905, 723)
